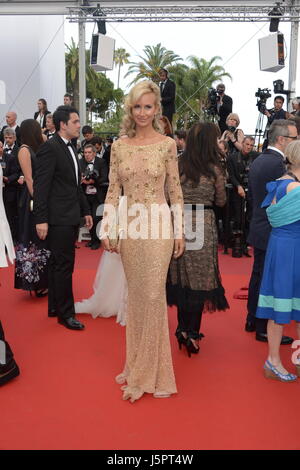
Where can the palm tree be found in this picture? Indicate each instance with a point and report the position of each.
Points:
(72, 66)
(204, 74)
(72, 71)
(156, 57)
(192, 84)
(120, 58)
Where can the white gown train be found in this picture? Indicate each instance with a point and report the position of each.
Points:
(110, 290)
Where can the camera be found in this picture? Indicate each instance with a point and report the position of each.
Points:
(90, 172)
(263, 94)
(213, 98)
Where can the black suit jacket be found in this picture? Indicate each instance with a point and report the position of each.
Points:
(58, 198)
(238, 166)
(269, 166)
(13, 172)
(168, 98)
(18, 135)
(224, 110)
(101, 183)
(44, 118)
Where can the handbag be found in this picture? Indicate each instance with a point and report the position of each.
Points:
(115, 232)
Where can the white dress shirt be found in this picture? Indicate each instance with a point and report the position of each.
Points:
(66, 141)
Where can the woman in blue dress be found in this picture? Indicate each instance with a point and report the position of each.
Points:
(279, 298)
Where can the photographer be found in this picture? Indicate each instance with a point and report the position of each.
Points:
(273, 114)
(238, 168)
(12, 180)
(94, 182)
(224, 106)
(232, 135)
(277, 112)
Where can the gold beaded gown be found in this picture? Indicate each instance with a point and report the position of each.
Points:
(145, 173)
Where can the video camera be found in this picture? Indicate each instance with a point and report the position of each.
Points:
(213, 98)
(90, 172)
(262, 94)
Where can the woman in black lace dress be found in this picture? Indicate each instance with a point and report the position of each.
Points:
(194, 282)
(31, 267)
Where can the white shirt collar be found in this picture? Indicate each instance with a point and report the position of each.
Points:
(276, 150)
(66, 141)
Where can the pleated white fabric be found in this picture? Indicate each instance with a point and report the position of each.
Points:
(5, 235)
(110, 290)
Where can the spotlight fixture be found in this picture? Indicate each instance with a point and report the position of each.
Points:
(279, 88)
(275, 15)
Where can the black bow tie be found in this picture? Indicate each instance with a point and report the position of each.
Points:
(69, 144)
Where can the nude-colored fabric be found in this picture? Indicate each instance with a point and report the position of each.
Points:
(144, 172)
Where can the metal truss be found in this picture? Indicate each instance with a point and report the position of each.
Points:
(184, 13)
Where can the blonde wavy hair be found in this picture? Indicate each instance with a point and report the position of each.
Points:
(235, 117)
(128, 124)
(292, 153)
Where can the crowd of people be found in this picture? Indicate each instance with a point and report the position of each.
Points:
(52, 183)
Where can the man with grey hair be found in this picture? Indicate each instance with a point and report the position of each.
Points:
(11, 120)
(269, 166)
(11, 179)
(50, 127)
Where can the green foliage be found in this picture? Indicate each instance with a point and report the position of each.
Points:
(192, 84)
(156, 57)
(101, 95)
(120, 58)
(111, 125)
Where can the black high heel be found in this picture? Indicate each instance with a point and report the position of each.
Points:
(191, 348)
(180, 338)
(41, 292)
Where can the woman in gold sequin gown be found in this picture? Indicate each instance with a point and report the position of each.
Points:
(144, 164)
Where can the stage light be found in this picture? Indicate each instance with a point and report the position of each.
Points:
(278, 86)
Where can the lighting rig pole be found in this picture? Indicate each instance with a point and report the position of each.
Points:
(82, 69)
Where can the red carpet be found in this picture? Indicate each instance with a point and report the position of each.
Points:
(66, 397)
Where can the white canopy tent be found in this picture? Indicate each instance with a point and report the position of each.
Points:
(82, 11)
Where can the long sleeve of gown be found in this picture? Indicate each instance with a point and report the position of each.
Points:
(220, 194)
(113, 194)
(174, 190)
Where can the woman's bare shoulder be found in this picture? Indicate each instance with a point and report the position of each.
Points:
(292, 186)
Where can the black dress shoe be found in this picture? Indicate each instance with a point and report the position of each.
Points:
(9, 372)
(95, 246)
(287, 340)
(264, 338)
(250, 326)
(71, 323)
(52, 313)
(88, 244)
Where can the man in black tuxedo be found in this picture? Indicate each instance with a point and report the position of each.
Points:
(167, 93)
(269, 166)
(11, 179)
(58, 204)
(224, 107)
(238, 165)
(94, 184)
(11, 121)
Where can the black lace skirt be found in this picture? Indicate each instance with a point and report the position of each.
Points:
(32, 254)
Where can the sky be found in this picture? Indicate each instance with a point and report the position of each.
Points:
(235, 43)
